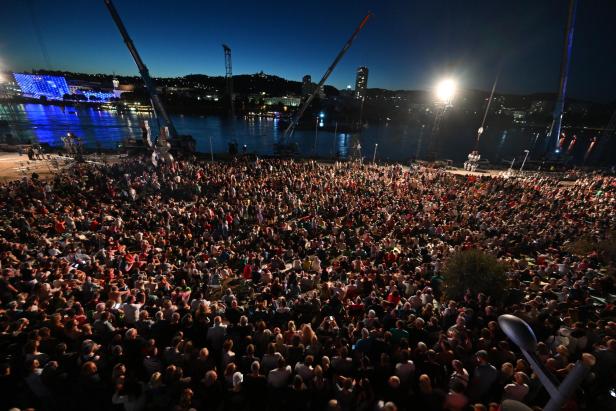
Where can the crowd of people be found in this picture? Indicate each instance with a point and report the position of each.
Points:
(277, 284)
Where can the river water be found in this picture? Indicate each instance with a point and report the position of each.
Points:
(105, 129)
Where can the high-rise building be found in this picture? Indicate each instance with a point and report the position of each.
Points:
(361, 82)
(307, 86)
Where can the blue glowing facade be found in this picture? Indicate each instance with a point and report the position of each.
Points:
(37, 86)
(96, 95)
(55, 87)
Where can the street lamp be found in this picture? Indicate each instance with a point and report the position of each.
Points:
(374, 154)
(524, 162)
(446, 90)
(522, 335)
(316, 134)
(318, 123)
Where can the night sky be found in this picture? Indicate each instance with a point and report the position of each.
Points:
(406, 45)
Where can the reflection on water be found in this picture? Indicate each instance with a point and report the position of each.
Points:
(48, 123)
(104, 129)
(501, 143)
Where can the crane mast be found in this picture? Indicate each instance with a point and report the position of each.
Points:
(228, 80)
(555, 129)
(300, 112)
(143, 70)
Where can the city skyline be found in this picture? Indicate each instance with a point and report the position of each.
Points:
(401, 48)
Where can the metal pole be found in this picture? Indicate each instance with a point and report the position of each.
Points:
(361, 112)
(316, 135)
(419, 140)
(524, 162)
(334, 141)
(568, 387)
(511, 166)
(374, 154)
(485, 114)
(211, 149)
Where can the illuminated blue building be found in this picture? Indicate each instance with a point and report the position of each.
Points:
(93, 95)
(37, 86)
(56, 87)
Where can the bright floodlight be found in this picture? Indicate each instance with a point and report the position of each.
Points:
(445, 90)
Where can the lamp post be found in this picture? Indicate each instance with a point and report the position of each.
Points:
(319, 122)
(524, 162)
(522, 335)
(334, 141)
(444, 92)
(316, 135)
(511, 166)
(374, 154)
(211, 149)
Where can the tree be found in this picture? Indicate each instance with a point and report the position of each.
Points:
(476, 271)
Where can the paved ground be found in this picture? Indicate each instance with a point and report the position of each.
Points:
(482, 173)
(14, 166)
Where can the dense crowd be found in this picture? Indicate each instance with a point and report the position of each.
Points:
(271, 285)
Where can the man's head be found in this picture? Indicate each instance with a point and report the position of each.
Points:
(481, 357)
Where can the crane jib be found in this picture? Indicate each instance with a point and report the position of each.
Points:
(300, 112)
(159, 109)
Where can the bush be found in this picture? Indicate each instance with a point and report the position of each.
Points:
(476, 271)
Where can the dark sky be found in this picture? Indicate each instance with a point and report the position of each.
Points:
(406, 45)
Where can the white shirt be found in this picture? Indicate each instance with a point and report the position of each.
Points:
(131, 312)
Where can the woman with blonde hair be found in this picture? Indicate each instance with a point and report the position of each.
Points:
(290, 333)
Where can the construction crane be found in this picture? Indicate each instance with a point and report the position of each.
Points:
(228, 80)
(555, 128)
(177, 141)
(300, 112)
